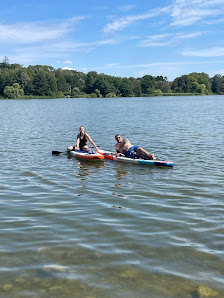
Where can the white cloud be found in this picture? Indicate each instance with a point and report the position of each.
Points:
(189, 35)
(121, 23)
(214, 21)
(159, 36)
(181, 12)
(169, 69)
(109, 65)
(188, 12)
(155, 40)
(58, 49)
(167, 39)
(68, 68)
(28, 33)
(210, 52)
(148, 65)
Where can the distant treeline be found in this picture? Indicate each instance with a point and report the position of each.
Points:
(44, 81)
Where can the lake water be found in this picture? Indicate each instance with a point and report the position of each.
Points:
(70, 228)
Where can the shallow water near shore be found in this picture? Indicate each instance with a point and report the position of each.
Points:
(74, 228)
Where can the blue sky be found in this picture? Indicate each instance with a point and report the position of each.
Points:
(120, 37)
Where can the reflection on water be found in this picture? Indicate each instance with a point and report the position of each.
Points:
(73, 228)
(85, 165)
(122, 170)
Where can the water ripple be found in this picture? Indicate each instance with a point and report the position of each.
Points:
(110, 229)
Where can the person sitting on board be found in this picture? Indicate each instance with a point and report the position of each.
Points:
(123, 146)
(82, 142)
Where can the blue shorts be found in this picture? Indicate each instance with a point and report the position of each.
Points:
(131, 151)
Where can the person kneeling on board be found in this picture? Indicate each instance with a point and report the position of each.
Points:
(82, 142)
(123, 146)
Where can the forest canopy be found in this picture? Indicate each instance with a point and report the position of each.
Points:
(36, 81)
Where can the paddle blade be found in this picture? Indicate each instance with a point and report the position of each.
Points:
(56, 152)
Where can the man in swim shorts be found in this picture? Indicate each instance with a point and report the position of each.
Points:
(123, 146)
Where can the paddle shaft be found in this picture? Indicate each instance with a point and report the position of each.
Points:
(59, 152)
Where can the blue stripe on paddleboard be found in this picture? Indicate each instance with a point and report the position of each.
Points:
(156, 163)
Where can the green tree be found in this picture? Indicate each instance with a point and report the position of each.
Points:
(75, 79)
(192, 85)
(157, 92)
(202, 89)
(136, 86)
(3, 82)
(5, 63)
(202, 78)
(90, 81)
(52, 83)
(164, 86)
(148, 84)
(6, 60)
(44, 83)
(184, 84)
(25, 82)
(218, 84)
(16, 66)
(6, 79)
(111, 94)
(188, 84)
(161, 78)
(14, 91)
(61, 82)
(103, 85)
(98, 93)
(75, 92)
(40, 85)
(126, 88)
(179, 85)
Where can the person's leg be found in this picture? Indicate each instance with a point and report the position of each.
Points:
(70, 148)
(130, 153)
(86, 149)
(140, 152)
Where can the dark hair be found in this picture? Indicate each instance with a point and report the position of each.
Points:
(117, 135)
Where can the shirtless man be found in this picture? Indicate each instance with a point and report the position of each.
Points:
(123, 146)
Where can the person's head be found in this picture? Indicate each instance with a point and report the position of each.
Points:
(118, 138)
(82, 129)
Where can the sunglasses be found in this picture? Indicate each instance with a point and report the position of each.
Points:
(118, 138)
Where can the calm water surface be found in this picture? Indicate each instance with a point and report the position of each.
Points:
(70, 228)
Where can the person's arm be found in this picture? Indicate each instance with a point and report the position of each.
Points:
(77, 143)
(126, 141)
(118, 153)
(91, 141)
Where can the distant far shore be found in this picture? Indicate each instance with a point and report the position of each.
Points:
(148, 95)
(43, 81)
